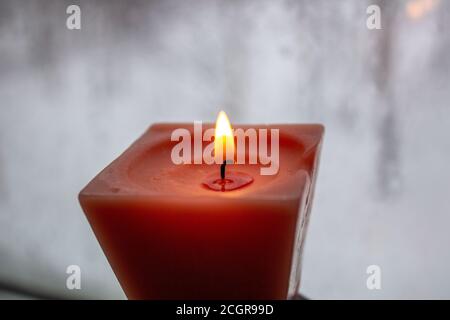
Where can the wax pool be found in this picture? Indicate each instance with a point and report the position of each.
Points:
(167, 236)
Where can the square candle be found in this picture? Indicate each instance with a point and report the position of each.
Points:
(167, 236)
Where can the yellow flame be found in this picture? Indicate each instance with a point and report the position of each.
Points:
(223, 138)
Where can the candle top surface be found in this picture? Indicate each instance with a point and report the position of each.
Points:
(146, 170)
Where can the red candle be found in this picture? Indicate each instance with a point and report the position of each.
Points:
(168, 235)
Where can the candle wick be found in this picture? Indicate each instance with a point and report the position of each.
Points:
(222, 170)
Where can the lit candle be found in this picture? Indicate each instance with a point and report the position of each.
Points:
(191, 231)
(224, 153)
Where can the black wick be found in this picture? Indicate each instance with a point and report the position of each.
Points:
(222, 170)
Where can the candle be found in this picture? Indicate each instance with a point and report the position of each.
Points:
(182, 231)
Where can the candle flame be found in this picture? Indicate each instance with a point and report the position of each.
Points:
(223, 139)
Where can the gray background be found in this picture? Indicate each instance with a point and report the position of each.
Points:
(71, 101)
